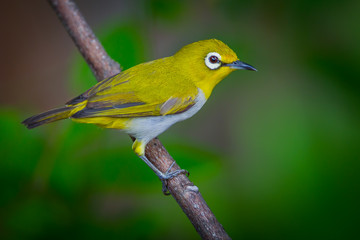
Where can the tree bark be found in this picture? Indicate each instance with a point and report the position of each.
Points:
(185, 193)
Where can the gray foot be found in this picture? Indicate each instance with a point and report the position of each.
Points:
(169, 175)
(164, 176)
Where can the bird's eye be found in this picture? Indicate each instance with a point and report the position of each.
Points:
(213, 60)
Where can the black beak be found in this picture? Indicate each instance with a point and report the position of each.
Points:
(240, 65)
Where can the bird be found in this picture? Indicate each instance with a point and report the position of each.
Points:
(145, 100)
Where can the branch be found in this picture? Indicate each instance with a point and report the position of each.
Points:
(89, 46)
(185, 193)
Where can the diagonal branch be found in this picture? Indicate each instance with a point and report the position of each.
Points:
(185, 193)
(93, 52)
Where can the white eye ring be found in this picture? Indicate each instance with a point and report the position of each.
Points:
(210, 63)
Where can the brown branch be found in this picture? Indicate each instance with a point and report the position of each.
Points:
(185, 193)
(93, 52)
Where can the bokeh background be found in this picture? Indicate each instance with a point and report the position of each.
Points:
(275, 153)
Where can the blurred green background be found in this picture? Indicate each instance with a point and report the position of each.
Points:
(275, 153)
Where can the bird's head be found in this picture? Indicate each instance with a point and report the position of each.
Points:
(207, 62)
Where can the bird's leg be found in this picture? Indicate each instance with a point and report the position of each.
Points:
(139, 149)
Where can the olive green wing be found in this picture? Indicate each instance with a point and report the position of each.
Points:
(102, 86)
(136, 108)
(126, 97)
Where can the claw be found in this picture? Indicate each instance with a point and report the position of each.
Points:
(164, 176)
(165, 190)
(169, 175)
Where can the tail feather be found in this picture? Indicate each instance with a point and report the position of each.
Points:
(48, 117)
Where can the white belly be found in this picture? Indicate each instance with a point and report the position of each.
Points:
(147, 128)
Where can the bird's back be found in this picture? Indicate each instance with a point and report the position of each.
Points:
(148, 89)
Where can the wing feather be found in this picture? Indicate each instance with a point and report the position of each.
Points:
(135, 93)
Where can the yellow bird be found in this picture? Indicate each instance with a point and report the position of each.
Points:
(148, 98)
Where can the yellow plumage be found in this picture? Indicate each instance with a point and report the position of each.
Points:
(150, 97)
